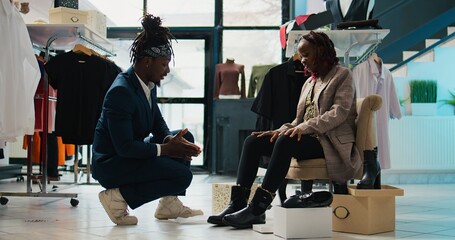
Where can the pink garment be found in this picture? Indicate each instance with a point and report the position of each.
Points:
(373, 78)
(227, 78)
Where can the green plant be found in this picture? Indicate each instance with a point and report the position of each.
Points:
(450, 101)
(423, 91)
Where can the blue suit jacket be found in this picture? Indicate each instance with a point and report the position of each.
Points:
(126, 122)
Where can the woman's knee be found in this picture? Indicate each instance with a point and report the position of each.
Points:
(251, 140)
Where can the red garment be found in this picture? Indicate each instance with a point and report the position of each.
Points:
(39, 103)
(227, 77)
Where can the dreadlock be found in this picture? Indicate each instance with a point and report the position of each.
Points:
(152, 35)
(325, 49)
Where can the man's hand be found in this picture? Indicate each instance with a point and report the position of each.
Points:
(178, 147)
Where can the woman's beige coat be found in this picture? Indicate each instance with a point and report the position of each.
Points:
(333, 123)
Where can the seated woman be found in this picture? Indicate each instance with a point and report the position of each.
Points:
(324, 127)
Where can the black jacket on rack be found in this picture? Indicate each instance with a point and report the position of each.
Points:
(81, 82)
(276, 102)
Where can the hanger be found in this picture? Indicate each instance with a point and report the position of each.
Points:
(296, 58)
(79, 48)
(376, 58)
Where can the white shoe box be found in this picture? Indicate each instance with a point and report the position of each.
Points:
(302, 222)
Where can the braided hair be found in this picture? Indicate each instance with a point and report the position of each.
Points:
(151, 38)
(325, 49)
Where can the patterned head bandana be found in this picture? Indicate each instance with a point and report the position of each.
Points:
(159, 51)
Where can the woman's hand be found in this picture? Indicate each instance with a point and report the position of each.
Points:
(178, 147)
(295, 131)
(273, 133)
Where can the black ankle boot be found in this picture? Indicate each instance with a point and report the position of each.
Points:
(239, 200)
(371, 178)
(254, 213)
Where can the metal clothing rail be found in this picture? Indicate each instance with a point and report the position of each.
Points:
(56, 37)
(348, 43)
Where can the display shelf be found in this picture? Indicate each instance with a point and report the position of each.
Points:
(65, 36)
(348, 43)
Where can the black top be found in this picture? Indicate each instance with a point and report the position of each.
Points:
(278, 97)
(81, 82)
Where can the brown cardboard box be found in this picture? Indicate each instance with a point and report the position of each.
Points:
(67, 15)
(365, 211)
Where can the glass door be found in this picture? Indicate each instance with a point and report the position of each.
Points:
(182, 91)
(182, 96)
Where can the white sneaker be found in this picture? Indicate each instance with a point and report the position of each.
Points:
(116, 207)
(171, 207)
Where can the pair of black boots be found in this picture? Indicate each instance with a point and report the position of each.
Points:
(239, 214)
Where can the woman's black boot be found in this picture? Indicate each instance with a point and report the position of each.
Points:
(371, 178)
(239, 200)
(254, 213)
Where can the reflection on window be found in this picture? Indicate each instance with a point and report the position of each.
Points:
(187, 13)
(119, 13)
(191, 116)
(186, 78)
(251, 13)
(252, 47)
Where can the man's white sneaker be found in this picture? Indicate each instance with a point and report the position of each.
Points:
(116, 207)
(171, 207)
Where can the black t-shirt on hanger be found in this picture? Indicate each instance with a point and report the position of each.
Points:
(81, 82)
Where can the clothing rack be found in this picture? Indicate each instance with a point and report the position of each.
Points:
(56, 37)
(348, 43)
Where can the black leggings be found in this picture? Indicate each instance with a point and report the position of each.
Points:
(281, 151)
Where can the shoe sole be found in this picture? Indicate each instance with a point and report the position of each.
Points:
(238, 226)
(216, 222)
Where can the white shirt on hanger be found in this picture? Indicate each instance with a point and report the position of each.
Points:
(373, 78)
(19, 75)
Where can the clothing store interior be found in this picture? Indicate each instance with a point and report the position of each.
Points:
(237, 70)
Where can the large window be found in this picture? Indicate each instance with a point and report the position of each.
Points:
(184, 13)
(119, 13)
(252, 47)
(251, 13)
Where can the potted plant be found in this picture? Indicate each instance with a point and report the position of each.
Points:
(450, 101)
(423, 97)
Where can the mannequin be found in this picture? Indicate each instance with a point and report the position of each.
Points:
(227, 79)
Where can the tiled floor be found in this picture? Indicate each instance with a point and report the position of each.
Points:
(424, 212)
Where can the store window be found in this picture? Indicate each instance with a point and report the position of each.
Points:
(186, 79)
(119, 13)
(191, 116)
(252, 47)
(188, 13)
(251, 13)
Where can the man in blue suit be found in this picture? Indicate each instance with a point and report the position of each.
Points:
(135, 156)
